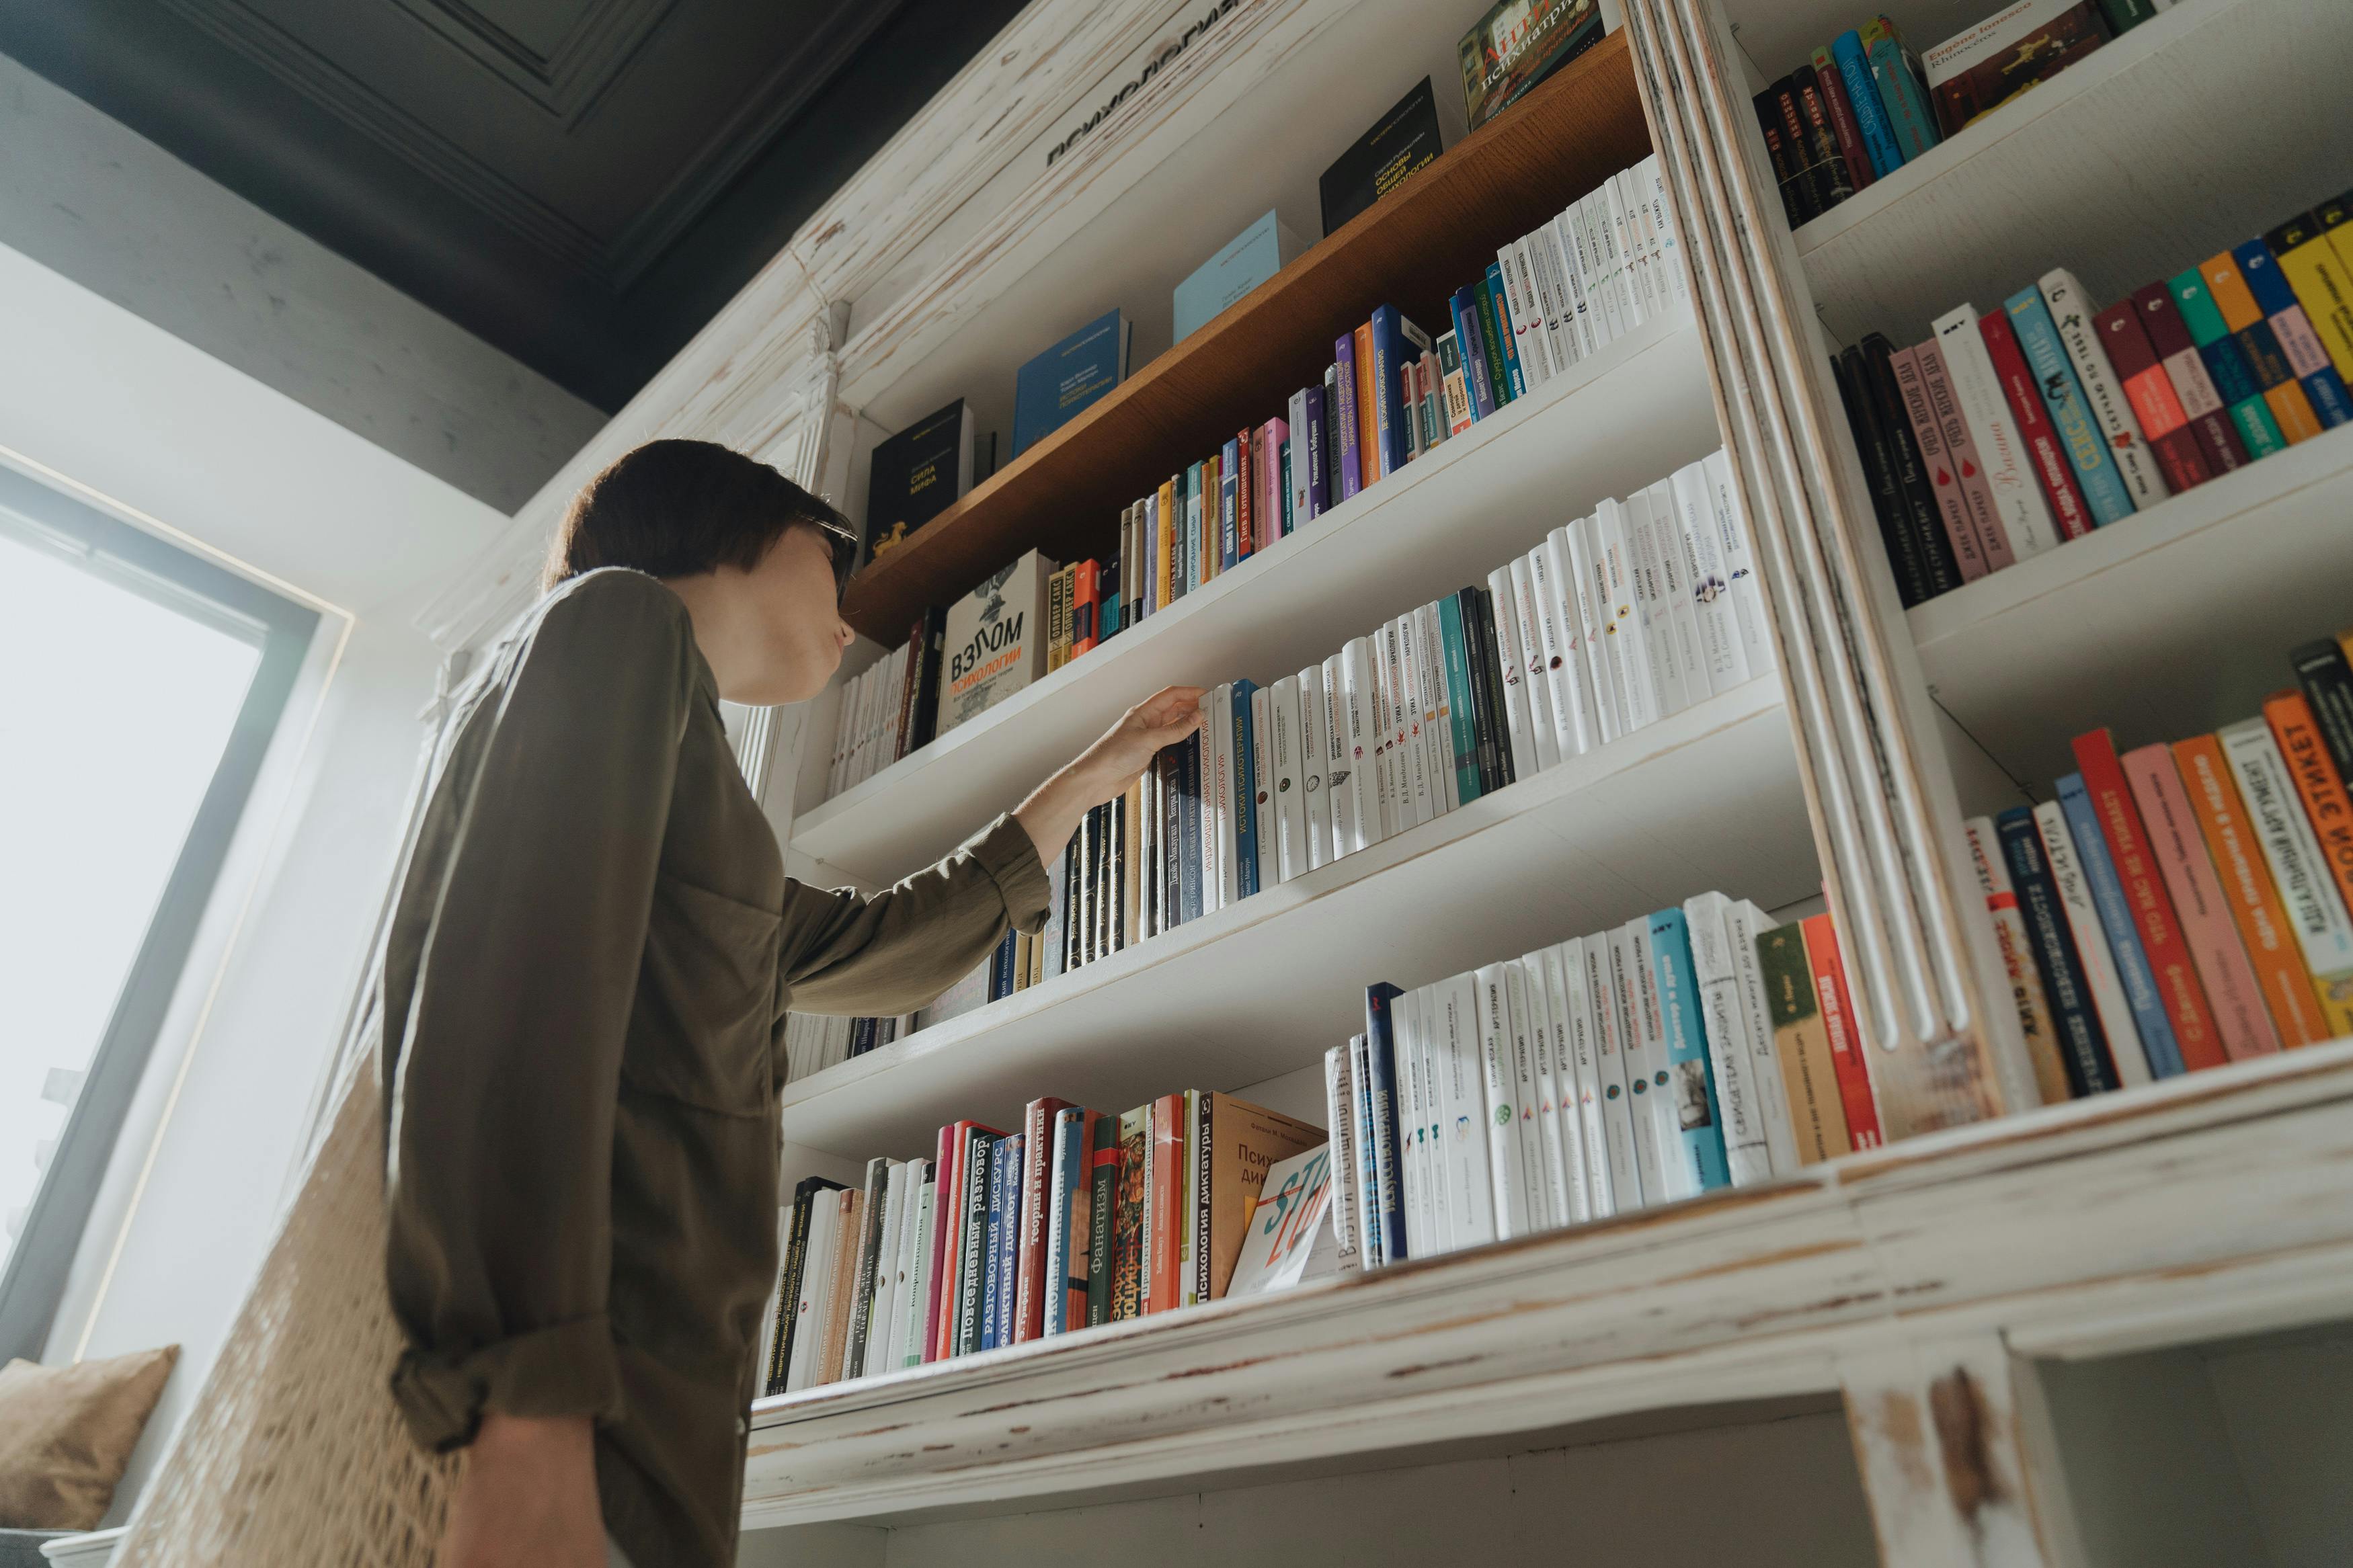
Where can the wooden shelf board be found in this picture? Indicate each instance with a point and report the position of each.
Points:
(1634, 412)
(2162, 626)
(1433, 235)
(2138, 160)
(1707, 798)
(2195, 1208)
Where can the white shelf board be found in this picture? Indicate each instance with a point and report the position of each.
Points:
(2200, 1207)
(2194, 132)
(2162, 626)
(1707, 798)
(1629, 415)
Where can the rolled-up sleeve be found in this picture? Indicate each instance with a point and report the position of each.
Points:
(893, 951)
(502, 1095)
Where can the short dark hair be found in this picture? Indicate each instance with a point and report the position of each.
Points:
(676, 508)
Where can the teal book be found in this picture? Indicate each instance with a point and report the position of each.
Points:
(1244, 262)
(2063, 396)
(1463, 720)
(1862, 98)
(1059, 384)
(1495, 316)
(1691, 1076)
(2235, 381)
(1192, 521)
(1245, 771)
(2124, 16)
(1895, 73)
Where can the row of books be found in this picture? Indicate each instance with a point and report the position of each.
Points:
(1078, 1218)
(1691, 1049)
(2184, 905)
(890, 709)
(814, 1042)
(1864, 105)
(2006, 434)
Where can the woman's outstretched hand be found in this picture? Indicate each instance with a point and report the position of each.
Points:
(1051, 812)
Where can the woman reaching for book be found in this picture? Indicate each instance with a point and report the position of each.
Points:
(582, 1000)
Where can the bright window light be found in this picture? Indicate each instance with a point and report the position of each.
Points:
(114, 711)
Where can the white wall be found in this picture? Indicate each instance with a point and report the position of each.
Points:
(154, 426)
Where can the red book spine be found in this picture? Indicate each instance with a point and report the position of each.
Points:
(1086, 607)
(1029, 1259)
(1843, 125)
(1967, 554)
(1164, 1223)
(2185, 369)
(2152, 910)
(1822, 956)
(2018, 386)
(947, 1163)
(2163, 422)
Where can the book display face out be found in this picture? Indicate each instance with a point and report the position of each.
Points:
(1610, 508)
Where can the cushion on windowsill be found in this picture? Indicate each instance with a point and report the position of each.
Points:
(66, 1433)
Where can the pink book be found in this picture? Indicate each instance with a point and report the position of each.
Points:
(2180, 850)
(1959, 530)
(1267, 477)
(1961, 450)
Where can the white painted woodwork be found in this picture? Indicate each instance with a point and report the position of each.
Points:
(2183, 1209)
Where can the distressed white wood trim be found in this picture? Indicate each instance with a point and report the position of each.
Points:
(1886, 1271)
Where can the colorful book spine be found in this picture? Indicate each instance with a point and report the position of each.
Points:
(1821, 135)
(1389, 404)
(1937, 465)
(1462, 722)
(1344, 422)
(2164, 423)
(2254, 903)
(2185, 369)
(2062, 398)
(1370, 466)
(2325, 672)
(2152, 907)
(2284, 395)
(2232, 993)
(1464, 309)
(1910, 116)
(2315, 910)
(1848, 132)
(1847, 1062)
(1870, 113)
(1388, 1143)
(2325, 805)
(1495, 336)
(2104, 394)
(1802, 1044)
(2308, 357)
(2069, 510)
(1698, 1115)
(1245, 754)
(2083, 1047)
(2092, 950)
(1103, 1210)
(2235, 377)
(1319, 440)
(1961, 451)
(2322, 283)
(2151, 1023)
(2020, 512)
(2035, 1024)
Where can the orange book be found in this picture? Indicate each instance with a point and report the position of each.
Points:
(1368, 427)
(1846, 1041)
(2247, 888)
(2285, 399)
(1165, 1228)
(2323, 793)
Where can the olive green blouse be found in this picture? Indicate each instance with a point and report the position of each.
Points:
(584, 994)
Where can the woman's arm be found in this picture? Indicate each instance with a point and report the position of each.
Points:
(1051, 812)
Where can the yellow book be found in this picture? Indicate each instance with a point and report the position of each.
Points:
(2323, 285)
(1213, 514)
(2286, 395)
(1164, 564)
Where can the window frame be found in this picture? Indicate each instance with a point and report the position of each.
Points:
(34, 1279)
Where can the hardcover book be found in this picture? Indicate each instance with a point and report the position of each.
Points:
(1059, 384)
(2255, 906)
(1985, 66)
(1801, 1041)
(1401, 144)
(1285, 1217)
(916, 475)
(1244, 262)
(1516, 45)
(995, 640)
(1240, 1144)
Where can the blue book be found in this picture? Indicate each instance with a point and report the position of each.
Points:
(1009, 1237)
(2062, 394)
(1344, 419)
(1472, 346)
(1059, 384)
(2275, 298)
(2083, 1045)
(991, 1225)
(1396, 343)
(1862, 97)
(1245, 784)
(1505, 338)
(1319, 435)
(1066, 1187)
(1247, 260)
(1230, 545)
(1188, 824)
(1388, 1143)
(1910, 117)
(1694, 1076)
(2133, 970)
(1463, 741)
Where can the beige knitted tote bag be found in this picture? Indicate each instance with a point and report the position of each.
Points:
(294, 1455)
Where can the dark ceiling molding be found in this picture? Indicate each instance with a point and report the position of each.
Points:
(567, 82)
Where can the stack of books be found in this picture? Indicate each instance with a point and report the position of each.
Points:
(1078, 1218)
(2184, 905)
(1688, 1050)
(891, 708)
(2004, 434)
(814, 1042)
(1615, 621)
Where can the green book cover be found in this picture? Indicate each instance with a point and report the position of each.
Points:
(1102, 1188)
(1127, 1215)
(1496, 377)
(2213, 335)
(2124, 16)
(1464, 736)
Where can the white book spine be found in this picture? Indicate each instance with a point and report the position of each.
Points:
(1462, 1099)
(1498, 1070)
(1634, 232)
(1634, 1046)
(1740, 562)
(1743, 923)
(1437, 709)
(884, 1309)
(2289, 848)
(1624, 634)
(1339, 1115)
(1370, 1241)
(817, 1289)
(1747, 1153)
(839, 758)
(1722, 655)
(1668, 255)
(1579, 304)
(911, 1343)
(2092, 951)
(1619, 242)
(1339, 785)
(1421, 1009)
(1584, 1062)
(1290, 794)
(1535, 680)
(1568, 1107)
(1567, 1201)
(1616, 1097)
(1226, 796)
(2011, 938)
(1262, 807)
(1512, 669)
(915, 1236)
(1527, 316)
(1589, 581)
(1406, 758)
(1528, 1092)
(1295, 420)
(1407, 689)
(1411, 1111)
(1676, 588)
(1314, 756)
(1552, 295)
(1668, 671)
(2018, 502)
(1558, 632)
(2071, 313)
(1397, 813)
(853, 712)
(1363, 808)
(1609, 313)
